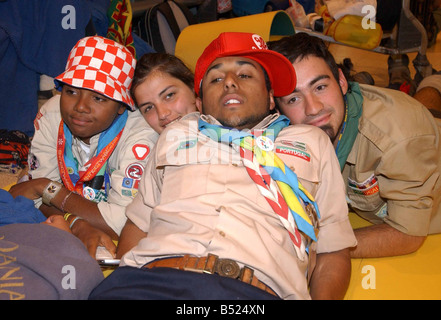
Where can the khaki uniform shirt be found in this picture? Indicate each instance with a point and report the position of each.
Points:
(197, 198)
(392, 172)
(126, 162)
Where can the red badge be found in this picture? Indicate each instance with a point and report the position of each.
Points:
(135, 171)
(140, 151)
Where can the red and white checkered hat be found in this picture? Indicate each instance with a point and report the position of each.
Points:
(101, 65)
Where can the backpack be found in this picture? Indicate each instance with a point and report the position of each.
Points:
(161, 25)
(14, 147)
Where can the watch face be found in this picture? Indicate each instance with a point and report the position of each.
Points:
(52, 188)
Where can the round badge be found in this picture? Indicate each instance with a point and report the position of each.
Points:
(134, 171)
(265, 143)
(89, 193)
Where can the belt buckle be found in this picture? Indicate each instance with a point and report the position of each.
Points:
(223, 267)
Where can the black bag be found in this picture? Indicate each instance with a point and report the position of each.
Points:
(14, 147)
(161, 25)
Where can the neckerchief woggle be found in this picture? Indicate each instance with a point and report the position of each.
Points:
(349, 130)
(292, 190)
(96, 166)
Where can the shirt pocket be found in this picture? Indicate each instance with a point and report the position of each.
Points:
(365, 195)
(185, 174)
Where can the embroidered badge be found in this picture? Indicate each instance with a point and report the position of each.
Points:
(367, 187)
(295, 144)
(382, 213)
(140, 151)
(36, 123)
(294, 152)
(127, 192)
(187, 144)
(33, 162)
(127, 183)
(134, 171)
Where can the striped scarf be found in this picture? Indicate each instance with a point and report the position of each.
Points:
(279, 185)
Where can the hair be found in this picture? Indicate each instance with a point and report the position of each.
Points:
(301, 45)
(162, 62)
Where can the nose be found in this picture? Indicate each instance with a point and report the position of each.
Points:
(163, 111)
(313, 105)
(230, 81)
(82, 105)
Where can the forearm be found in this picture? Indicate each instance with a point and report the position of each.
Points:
(130, 236)
(66, 201)
(331, 276)
(383, 240)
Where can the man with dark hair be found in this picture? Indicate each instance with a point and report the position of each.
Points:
(387, 144)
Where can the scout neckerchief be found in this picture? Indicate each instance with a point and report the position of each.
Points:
(96, 172)
(349, 130)
(270, 174)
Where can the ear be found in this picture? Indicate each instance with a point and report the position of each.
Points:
(199, 104)
(342, 81)
(121, 109)
(272, 102)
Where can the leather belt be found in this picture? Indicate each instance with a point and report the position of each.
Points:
(211, 264)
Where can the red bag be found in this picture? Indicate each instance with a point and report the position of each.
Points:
(14, 147)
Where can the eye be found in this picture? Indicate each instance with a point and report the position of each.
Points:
(244, 76)
(321, 87)
(99, 98)
(293, 100)
(170, 95)
(69, 90)
(289, 100)
(216, 80)
(146, 108)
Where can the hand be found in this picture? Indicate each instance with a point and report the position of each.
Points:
(93, 237)
(57, 221)
(31, 189)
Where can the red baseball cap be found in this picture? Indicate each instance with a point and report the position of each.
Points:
(252, 46)
(102, 65)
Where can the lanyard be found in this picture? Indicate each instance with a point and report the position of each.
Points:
(94, 165)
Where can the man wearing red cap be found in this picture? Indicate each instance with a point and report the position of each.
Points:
(234, 203)
(90, 145)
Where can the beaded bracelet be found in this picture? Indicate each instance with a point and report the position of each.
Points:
(64, 201)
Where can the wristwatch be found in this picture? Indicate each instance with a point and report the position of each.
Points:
(50, 191)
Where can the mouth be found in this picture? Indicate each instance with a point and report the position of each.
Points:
(320, 120)
(231, 100)
(80, 121)
(171, 122)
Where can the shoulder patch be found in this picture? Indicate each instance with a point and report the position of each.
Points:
(141, 151)
(134, 171)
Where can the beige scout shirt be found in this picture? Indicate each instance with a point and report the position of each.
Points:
(197, 198)
(392, 171)
(126, 162)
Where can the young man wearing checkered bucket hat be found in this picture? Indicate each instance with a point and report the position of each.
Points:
(90, 145)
